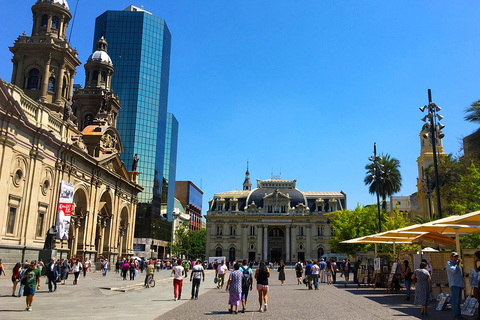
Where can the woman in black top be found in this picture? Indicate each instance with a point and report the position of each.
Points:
(262, 274)
(281, 272)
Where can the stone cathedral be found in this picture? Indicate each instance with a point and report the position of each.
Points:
(49, 134)
(272, 222)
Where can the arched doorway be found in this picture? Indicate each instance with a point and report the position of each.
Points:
(276, 243)
(123, 233)
(231, 254)
(320, 252)
(104, 220)
(77, 225)
(218, 252)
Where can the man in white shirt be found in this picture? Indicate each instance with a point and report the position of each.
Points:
(221, 271)
(196, 275)
(177, 272)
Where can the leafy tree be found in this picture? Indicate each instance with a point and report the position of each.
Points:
(198, 241)
(390, 180)
(360, 222)
(190, 244)
(473, 112)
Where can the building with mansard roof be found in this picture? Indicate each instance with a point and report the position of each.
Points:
(49, 136)
(273, 222)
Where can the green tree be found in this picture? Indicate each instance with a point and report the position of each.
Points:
(181, 245)
(360, 222)
(473, 112)
(198, 242)
(390, 180)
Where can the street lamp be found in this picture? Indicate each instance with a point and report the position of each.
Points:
(434, 133)
(377, 173)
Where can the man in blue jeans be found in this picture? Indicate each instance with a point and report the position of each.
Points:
(455, 281)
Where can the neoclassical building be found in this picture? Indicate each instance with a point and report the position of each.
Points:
(49, 135)
(273, 222)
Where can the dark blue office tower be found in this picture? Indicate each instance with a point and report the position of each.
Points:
(170, 166)
(139, 45)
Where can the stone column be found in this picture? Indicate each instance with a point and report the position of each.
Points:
(102, 235)
(20, 75)
(293, 245)
(121, 233)
(259, 242)
(287, 245)
(77, 223)
(59, 84)
(308, 249)
(265, 243)
(245, 232)
(46, 76)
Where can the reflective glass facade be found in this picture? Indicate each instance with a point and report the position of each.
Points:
(170, 165)
(139, 46)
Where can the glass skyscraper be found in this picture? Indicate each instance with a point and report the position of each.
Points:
(170, 166)
(139, 45)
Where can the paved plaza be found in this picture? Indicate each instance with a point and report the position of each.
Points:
(97, 297)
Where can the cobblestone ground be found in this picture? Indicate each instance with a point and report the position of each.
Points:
(97, 297)
(292, 301)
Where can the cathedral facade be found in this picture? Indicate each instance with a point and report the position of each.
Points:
(51, 137)
(272, 222)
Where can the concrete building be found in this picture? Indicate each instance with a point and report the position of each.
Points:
(191, 197)
(275, 221)
(44, 147)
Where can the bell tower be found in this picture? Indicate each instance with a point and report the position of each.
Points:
(424, 161)
(44, 63)
(96, 102)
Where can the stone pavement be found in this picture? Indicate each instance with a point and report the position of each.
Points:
(93, 298)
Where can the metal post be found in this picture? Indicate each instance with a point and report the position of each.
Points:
(431, 109)
(375, 168)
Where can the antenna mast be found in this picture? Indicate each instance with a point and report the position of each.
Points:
(73, 22)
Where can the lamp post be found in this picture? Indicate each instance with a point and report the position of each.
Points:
(377, 176)
(434, 134)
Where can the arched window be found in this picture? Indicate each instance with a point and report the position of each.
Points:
(33, 79)
(95, 77)
(51, 84)
(44, 20)
(320, 252)
(103, 76)
(218, 252)
(231, 254)
(54, 23)
(64, 87)
(88, 120)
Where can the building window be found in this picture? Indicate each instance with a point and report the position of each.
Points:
(95, 77)
(54, 23)
(300, 231)
(234, 207)
(64, 88)
(218, 252)
(232, 230)
(17, 178)
(33, 79)
(220, 207)
(45, 186)
(103, 76)
(219, 230)
(320, 253)
(11, 219)
(41, 218)
(44, 20)
(270, 209)
(88, 120)
(252, 231)
(320, 231)
(284, 209)
(320, 208)
(231, 254)
(51, 84)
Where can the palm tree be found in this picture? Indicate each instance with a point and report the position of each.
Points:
(473, 112)
(390, 180)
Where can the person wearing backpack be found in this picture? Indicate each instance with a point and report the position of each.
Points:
(247, 282)
(299, 272)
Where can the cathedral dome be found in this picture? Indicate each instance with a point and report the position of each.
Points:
(60, 2)
(257, 195)
(100, 56)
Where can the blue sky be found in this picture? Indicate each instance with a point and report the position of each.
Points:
(302, 87)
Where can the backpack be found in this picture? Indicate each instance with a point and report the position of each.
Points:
(246, 277)
(298, 267)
